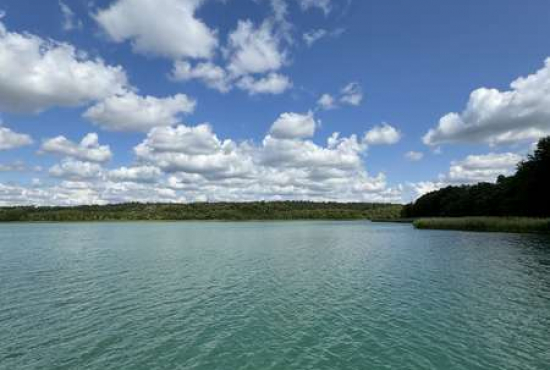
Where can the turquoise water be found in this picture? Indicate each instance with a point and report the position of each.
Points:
(281, 295)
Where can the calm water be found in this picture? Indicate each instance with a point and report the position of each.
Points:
(259, 296)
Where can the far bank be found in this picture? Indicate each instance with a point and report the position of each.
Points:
(486, 224)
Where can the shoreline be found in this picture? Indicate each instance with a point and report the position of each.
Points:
(252, 211)
(519, 225)
(190, 220)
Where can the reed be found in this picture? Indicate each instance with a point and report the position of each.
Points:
(488, 224)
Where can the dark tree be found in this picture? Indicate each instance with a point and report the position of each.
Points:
(527, 193)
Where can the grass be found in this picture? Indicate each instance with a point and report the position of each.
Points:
(492, 224)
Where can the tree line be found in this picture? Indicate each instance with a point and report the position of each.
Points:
(526, 193)
(285, 210)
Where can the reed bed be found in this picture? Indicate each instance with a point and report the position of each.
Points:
(487, 224)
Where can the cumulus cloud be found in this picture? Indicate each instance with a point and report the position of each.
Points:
(219, 79)
(195, 150)
(294, 126)
(250, 60)
(76, 170)
(88, 149)
(195, 140)
(418, 189)
(183, 163)
(326, 102)
(254, 49)
(339, 156)
(167, 28)
(253, 55)
(414, 156)
(285, 165)
(138, 174)
(10, 139)
(521, 113)
(470, 170)
(212, 75)
(382, 135)
(481, 168)
(85, 191)
(131, 112)
(36, 74)
(351, 94)
(273, 83)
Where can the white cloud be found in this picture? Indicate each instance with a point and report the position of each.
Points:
(195, 150)
(10, 139)
(471, 170)
(326, 102)
(36, 74)
(482, 168)
(17, 166)
(253, 55)
(212, 75)
(88, 149)
(70, 22)
(254, 49)
(285, 165)
(414, 156)
(418, 189)
(76, 170)
(382, 135)
(219, 79)
(85, 191)
(138, 174)
(131, 112)
(294, 126)
(312, 36)
(494, 117)
(273, 83)
(166, 28)
(31, 195)
(195, 140)
(352, 94)
(324, 5)
(340, 154)
(197, 166)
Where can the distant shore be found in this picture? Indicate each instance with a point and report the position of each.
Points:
(486, 224)
(252, 211)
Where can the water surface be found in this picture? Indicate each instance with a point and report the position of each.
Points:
(271, 295)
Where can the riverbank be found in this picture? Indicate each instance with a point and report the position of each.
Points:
(486, 224)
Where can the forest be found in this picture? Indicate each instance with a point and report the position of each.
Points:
(289, 210)
(524, 194)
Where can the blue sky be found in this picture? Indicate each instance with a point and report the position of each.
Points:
(194, 100)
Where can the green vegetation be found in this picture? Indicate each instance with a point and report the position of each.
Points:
(495, 224)
(524, 194)
(204, 211)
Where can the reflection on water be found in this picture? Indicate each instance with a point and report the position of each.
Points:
(297, 295)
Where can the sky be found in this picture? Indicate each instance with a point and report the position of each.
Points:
(109, 101)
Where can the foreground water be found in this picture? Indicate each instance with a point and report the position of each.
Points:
(259, 296)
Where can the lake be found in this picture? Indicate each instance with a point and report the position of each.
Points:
(271, 295)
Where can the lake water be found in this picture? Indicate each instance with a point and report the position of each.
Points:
(271, 295)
